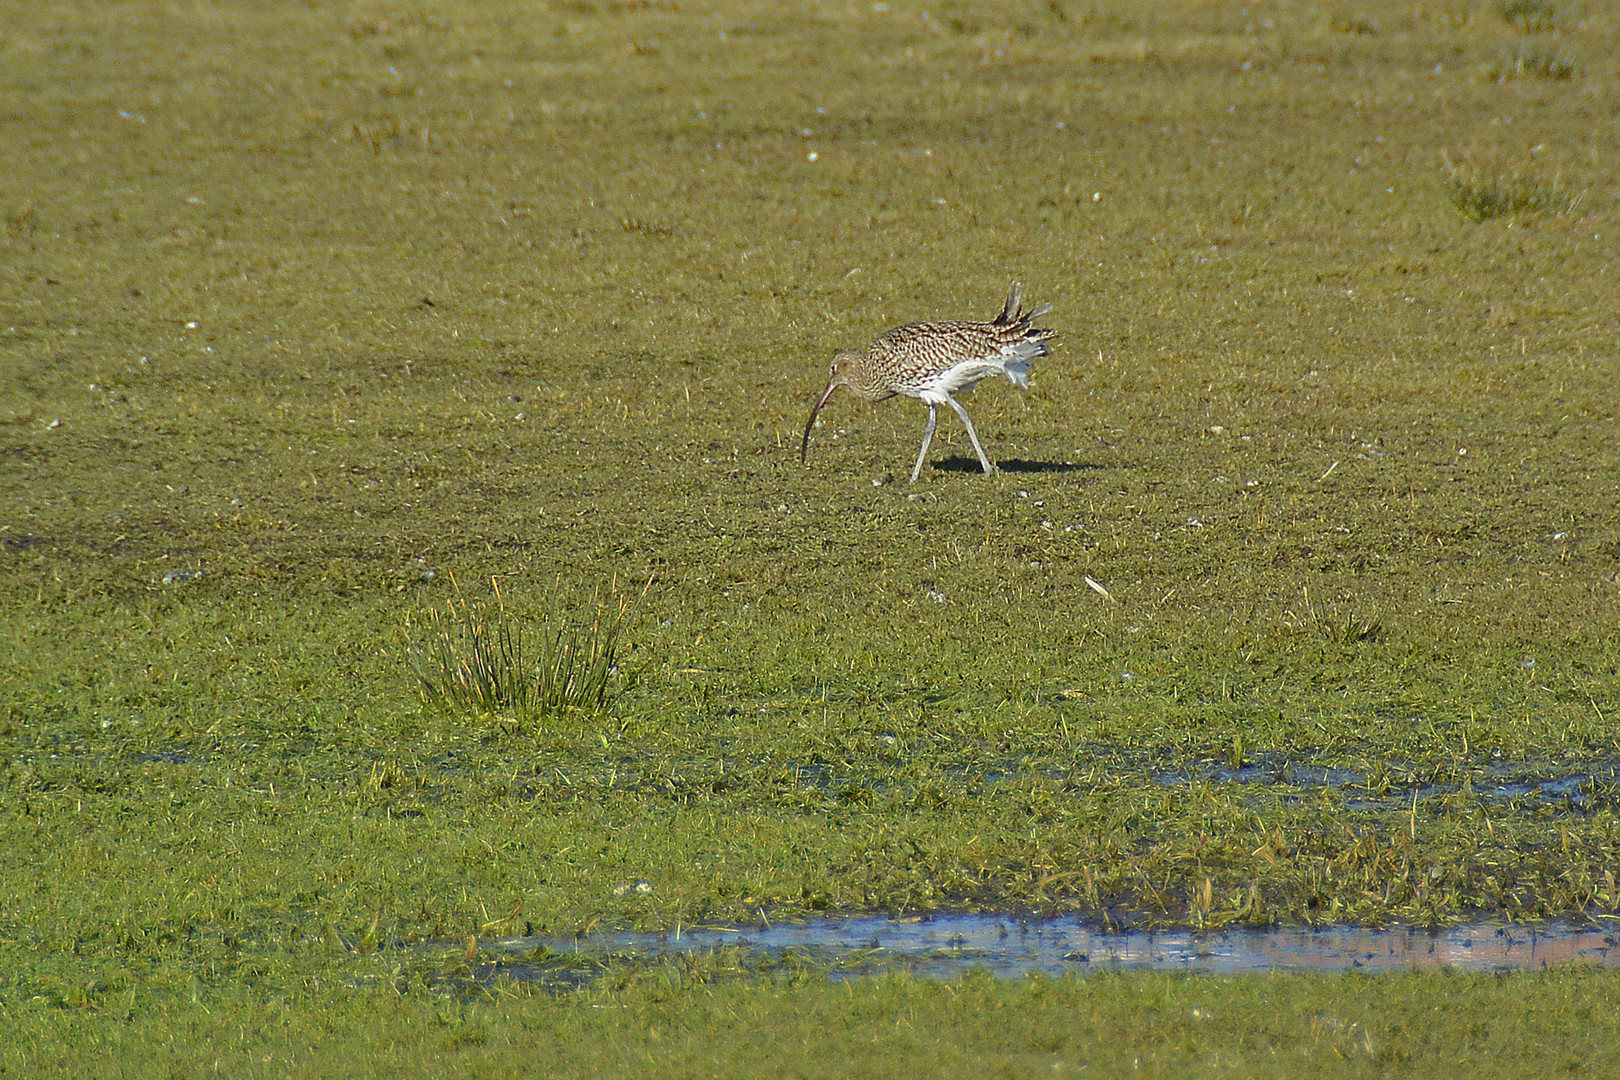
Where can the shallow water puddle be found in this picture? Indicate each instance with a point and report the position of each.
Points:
(947, 945)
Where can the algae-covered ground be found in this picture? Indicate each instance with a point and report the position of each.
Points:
(1295, 599)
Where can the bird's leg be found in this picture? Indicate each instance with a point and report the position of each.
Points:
(928, 437)
(973, 435)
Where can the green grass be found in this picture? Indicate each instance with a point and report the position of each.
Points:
(315, 301)
(674, 1022)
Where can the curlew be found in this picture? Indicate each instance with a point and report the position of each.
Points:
(930, 361)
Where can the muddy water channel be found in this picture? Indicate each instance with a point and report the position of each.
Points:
(948, 945)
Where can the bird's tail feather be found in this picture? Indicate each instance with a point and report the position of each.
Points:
(1009, 313)
(1012, 313)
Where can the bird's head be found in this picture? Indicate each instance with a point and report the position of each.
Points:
(844, 363)
(843, 366)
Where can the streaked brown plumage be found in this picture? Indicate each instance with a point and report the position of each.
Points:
(930, 361)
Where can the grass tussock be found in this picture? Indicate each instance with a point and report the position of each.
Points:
(1530, 16)
(487, 660)
(1481, 193)
(1354, 24)
(1334, 624)
(1533, 62)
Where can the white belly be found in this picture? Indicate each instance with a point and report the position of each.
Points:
(960, 376)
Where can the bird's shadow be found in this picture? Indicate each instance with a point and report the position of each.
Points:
(960, 463)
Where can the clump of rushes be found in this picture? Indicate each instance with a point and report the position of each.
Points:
(1482, 194)
(1530, 16)
(484, 659)
(1533, 63)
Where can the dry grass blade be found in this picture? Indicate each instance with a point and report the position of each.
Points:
(1098, 588)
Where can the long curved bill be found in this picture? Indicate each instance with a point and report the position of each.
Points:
(804, 447)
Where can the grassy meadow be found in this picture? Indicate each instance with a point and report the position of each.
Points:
(315, 320)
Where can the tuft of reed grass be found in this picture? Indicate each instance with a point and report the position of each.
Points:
(1353, 24)
(1482, 194)
(1530, 16)
(1533, 63)
(483, 659)
(1335, 625)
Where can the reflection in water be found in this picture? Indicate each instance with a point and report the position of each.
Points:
(947, 945)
